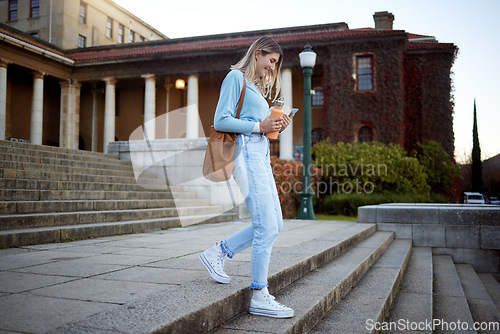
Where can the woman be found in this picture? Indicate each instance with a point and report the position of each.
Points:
(261, 68)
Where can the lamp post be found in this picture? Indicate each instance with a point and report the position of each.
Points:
(307, 62)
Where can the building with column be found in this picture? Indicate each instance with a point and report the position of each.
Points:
(370, 84)
(72, 24)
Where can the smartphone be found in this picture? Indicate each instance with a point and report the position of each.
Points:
(292, 112)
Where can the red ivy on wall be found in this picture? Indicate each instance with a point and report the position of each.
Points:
(288, 178)
(410, 102)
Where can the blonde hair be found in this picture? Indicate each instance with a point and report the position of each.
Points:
(248, 66)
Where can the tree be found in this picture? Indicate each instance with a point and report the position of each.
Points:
(476, 166)
(439, 166)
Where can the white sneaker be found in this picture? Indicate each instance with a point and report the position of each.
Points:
(263, 303)
(213, 259)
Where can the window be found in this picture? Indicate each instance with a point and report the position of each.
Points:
(141, 39)
(109, 28)
(82, 41)
(121, 29)
(12, 10)
(364, 72)
(83, 13)
(317, 98)
(35, 34)
(35, 8)
(365, 134)
(131, 37)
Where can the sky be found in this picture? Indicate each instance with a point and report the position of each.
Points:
(470, 25)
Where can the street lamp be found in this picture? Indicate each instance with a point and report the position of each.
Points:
(307, 61)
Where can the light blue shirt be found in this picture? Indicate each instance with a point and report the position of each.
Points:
(255, 107)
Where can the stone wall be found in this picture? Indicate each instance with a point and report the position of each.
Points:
(469, 233)
(179, 161)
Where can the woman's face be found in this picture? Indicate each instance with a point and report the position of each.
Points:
(266, 63)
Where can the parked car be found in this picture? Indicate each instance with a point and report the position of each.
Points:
(494, 201)
(473, 198)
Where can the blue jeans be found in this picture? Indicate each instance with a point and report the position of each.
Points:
(253, 174)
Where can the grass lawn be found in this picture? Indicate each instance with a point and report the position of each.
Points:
(336, 217)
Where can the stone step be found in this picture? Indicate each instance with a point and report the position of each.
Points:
(89, 176)
(314, 295)
(492, 286)
(200, 305)
(8, 167)
(35, 236)
(59, 195)
(75, 159)
(52, 151)
(25, 207)
(481, 305)
(28, 160)
(21, 221)
(364, 309)
(55, 194)
(450, 304)
(8, 183)
(413, 303)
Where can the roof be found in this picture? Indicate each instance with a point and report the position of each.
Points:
(291, 35)
(217, 42)
(416, 41)
(28, 39)
(430, 45)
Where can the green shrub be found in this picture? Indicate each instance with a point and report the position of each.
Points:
(369, 168)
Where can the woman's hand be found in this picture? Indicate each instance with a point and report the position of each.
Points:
(285, 122)
(271, 124)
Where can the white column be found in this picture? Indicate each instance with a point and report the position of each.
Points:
(109, 113)
(286, 138)
(76, 116)
(192, 107)
(3, 99)
(167, 107)
(37, 109)
(69, 120)
(149, 107)
(94, 119)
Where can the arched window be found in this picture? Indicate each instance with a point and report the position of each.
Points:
(365, 134)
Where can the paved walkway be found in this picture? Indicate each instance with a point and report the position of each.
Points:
(43, 287)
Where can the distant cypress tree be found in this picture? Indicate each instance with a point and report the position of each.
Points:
(476, 166)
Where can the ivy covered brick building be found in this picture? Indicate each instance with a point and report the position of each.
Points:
(371, 84)
(389, 86)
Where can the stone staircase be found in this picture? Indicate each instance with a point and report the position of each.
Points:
(340, 277)
(52, 194)
(454, 295)
(363, 291)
